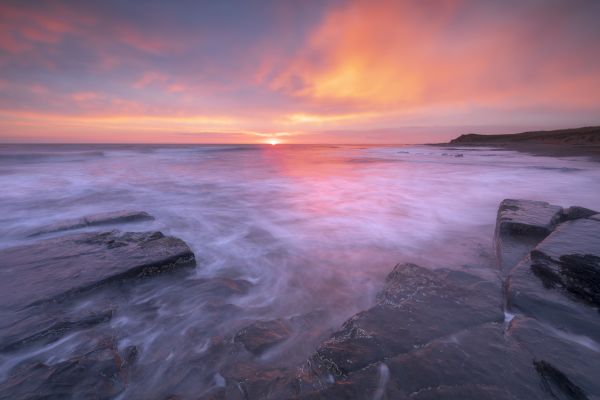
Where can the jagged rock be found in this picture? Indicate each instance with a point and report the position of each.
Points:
(262, 335)
(53, 269)
(416, 306)
(107, 218)
(101, 373)
(560, 281)
(520, 225)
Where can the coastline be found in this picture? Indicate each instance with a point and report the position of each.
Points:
(536, 149)
(573, 142)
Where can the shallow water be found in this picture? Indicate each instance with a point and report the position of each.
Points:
(310, 227)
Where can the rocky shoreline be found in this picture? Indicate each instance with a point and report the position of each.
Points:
(527, 329)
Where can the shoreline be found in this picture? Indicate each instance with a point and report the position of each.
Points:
(535, 149)
(574, 142)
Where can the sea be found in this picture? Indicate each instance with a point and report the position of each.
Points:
(308, 229)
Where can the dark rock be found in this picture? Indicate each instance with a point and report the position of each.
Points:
(479, 362)
(558, 384)
(520, 225)
(560, 282)
(262, 335)
(115, 217)
(558, 357)
(527, 217)
(464, 392)
(51, 333)
(53, 269)
(372, 382)
(416, 306)
(250, 381)
(576, 212)
(102, 373)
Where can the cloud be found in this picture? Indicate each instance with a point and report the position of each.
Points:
(412, 54)
(303, 68)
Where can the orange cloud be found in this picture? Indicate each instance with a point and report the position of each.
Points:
(394, 55)
(84, 96)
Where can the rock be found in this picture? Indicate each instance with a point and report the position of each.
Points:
(571, 257)
(477, 363)
(262, 335)
(557, 384)
(416, 306)
(576, 212)
(107, 218)
(562, 361)
(54, 330)
(560, 282)
(372, 382)
(102, 373)
(53, 269)
(520, 225)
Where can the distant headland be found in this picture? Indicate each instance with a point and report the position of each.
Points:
(583, 141)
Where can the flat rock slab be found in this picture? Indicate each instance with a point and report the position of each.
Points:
(53, 269)
(107, 218)
(416, 306)
(565, 363)
(527, 217)
(560, 282)
(520, 225)
(579, 237)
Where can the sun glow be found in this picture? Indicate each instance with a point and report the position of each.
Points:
(273, 141)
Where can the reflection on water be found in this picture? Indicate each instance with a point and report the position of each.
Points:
(296, 229)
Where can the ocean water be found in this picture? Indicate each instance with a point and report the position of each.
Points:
(311, 230)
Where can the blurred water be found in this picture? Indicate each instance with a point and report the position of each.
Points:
(310, 227)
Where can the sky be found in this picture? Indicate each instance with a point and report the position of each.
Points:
(326, 71)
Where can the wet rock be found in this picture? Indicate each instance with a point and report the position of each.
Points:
(53, 269)
(463, 392)
(250, 381)
(262, 335)
(562, 360)
(571, 255)
(560, 281)
(372, 382)
(416, 306)
(557, 384)
(576, 212)
(107, 218)
(527, 217)
(520, 225)
(102, 373)
(477, 363)
(53, 332)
